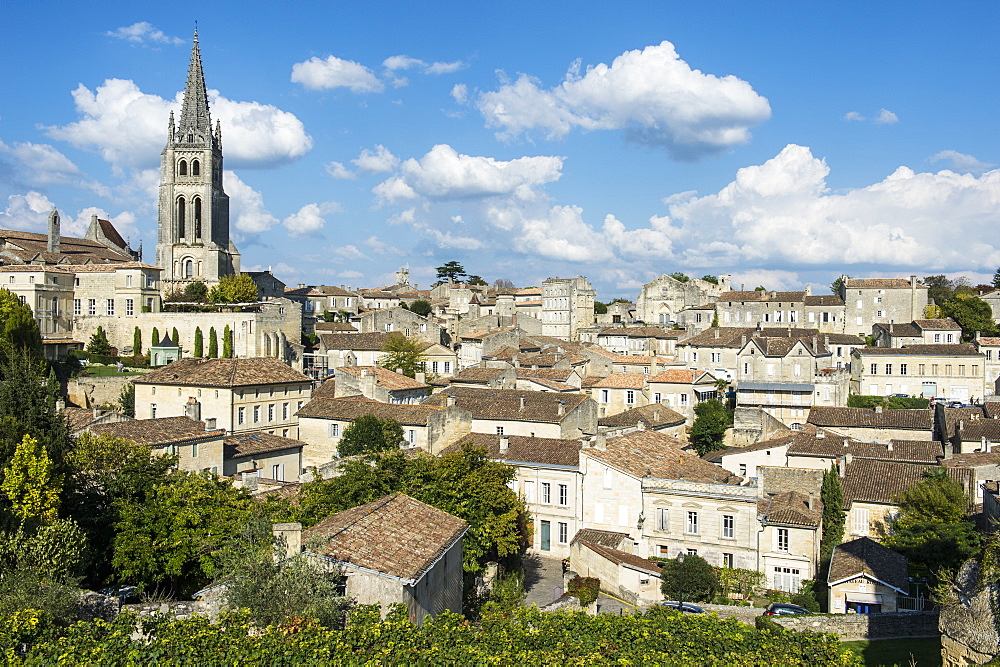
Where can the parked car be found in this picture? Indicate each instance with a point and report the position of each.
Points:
(685, 607)
(956, 404)
(785, 609)
(899, 395)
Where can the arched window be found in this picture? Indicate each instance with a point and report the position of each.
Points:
(197, 214)
(189, 268)
(195, 168)
(181, 216)
(182, 168)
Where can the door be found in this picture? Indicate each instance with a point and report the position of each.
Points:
(928, 389)
(546, 536)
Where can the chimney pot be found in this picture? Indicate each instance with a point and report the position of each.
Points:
(562, 408)
(504, 444)
(210, 423)
(521, 401)
(812, 501)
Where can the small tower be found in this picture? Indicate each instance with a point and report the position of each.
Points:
(403, 277)
(193, 242)
(53, 244)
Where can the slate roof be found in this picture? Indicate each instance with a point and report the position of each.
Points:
(791, 509)
(224, 373)
(349, 409)
(395, 535)
(157, 432)
(616, 381)
(654, 416)
(924, 349)
(623, 558)
(384, 377)
(605, 538)
(505, 404)
(370, 341)
(261, 442)
(654, 454)
(866, 556)
(525, 449)
(881, 482)
(917, 420)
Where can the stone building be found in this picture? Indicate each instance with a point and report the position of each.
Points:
(380, 384)
(791, 528)
(515, 412)
(567, 305)
(197, 444)
(663, 298)
(956, 371)
(870, 301)
(318, 299)
(194, 242)
(917, 332)
(866, 578)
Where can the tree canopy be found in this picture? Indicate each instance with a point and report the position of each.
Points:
(18, 327)
(369, 435)
(450, 272)
(971, 313)
(420, 307)
(238, 288)
(712, 418)
(680, 277)
(402, 354)
(699, 579)
(708, 278)
(99, 342)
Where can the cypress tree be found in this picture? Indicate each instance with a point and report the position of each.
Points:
(832, 494)
(137, 342)
(174, 336)
(156, 336)
(199, 344)
(213, 344)
(227, 343)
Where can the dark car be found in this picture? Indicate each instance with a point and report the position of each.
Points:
(684, 607)
(784, 609)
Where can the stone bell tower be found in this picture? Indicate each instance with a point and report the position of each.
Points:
(194, 241)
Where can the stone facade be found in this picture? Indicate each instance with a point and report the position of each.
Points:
(663, 298)
(869, 301)
(567, 305)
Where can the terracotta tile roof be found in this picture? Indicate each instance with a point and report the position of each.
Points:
(547, 373)
(823, 300)
(478, 375)
(843, 339)
(554, 385)
(385, 378)
(918, 420)
(326, 390)
(370, 341)
(866, 556)
(761, 295)
(791, 509)
(505, 404)
(157, 432)
(826, 444)
(871, 481)
(972, 460)
(979, 429)
(249, 444)
(76, 251)
(605, 538)
(653, 454)
(943, 324)
(941, 350)
(992, 409)
(349, 409)
(642, 359)
(78, 418)
(622, 558)
(224, 373)
(779, 439)
(109, 268)
(331, 327)
(617, 381)
(654, 416)
(541, 360)
(525, 449)
(883, 283)
(396, 535)
(527, 291)
(676, 376)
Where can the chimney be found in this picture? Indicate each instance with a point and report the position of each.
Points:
(888, 447)
(641, 425)
(504, 444)
(562, 408)
(451, 401)
(656, 415)
(302, 285)
(287, 540)
(878, 409)
(521, 401)
(600, 442)
(820, 435)
(847, 443)
(249, 479)
(192, 409)
(97, 412)
(210, 424)
(716, 332)
(949, 451)
(53, 245)
(812, 501)
(421, 377)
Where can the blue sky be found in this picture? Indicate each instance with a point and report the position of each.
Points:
(781, 142)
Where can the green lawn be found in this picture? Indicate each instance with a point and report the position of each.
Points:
(925, 652)
(97, 370)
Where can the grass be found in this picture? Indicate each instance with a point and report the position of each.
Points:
(925, 652)
(97, 370)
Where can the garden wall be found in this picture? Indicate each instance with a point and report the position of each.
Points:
(854, 627)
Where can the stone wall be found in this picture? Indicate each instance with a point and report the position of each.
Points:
(750, 426)
(969, 632)
(854, 627)
(772, 479)
(89, 392)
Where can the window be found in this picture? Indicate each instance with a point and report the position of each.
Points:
(563, 495)
(529, 493)
(78, 310)
(256, 414)
(902, 369)
(129, 307)
(411, 437)
(334, 430)
(563, 533)
(727, 561)
(657, 397)
(152, 410)
(91, 306)
(499, 430)
(278, 472)
(630, 397)
(194, 450)
(608, 481)
(937, 338)
(434, 367)
(888, 369)
(546, 493)
(662, 519)
(880, 313)
(783, 540)
(743, 470)
(961, 369)
(951, 338)
(110, 306)
(447, 367)
(605, 395)
(270, 412)
(729, 526)
(861, 520)
(874, 369)
(786, 579)
(692, 523)
(241, 414)
(692, 552)
(284, 412)
(920, 369)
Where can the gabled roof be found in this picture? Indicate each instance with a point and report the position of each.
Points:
(680, 376)
(917, 420)
(791, 509)
(654, 416)
(923, 349)
(370, 341)
(224, 373)
(880, 283)
(385, 378)
(477, 375)
(616, 381)
(605, 538)
(396, 535)
(942, 324)
(158, 432)
(506, 404)
(865, 556)
(525, 449)
(762, 295)
(628, 560)
(350, 408)
(654, 454)
(260, 442)
(881, 482)
(826, 444)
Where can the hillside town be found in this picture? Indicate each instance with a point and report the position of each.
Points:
(784, 434)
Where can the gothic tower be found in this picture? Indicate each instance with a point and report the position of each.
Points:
(194, 239)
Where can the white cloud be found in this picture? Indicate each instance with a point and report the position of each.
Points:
(30, 211)
(443, 173)
(376, 161)
(402, 62)
(350, 252)
(444, 68)
(246, 206)
(340, 172)
(772, 279)
(961, 161)
(143, 33)
(652, 96)
(310, 218)
(127, 127)
(448, 240)
(40, 165)
(380, 247)
(886, 117)
(334, 72)
(460, 93)
(853, 116)
(653, 242)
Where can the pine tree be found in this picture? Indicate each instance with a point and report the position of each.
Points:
(996, 278)
(213, 344)
(227, 343)
(136, 342)
(174, 336)
(99, 342)
(199, 344)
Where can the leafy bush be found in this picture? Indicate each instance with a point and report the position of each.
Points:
(699, 579)
(886, 402)
(585, 588)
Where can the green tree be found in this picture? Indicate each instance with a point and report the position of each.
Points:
(402, 354)
(18, 327)
(213, 344)
(420, 307)
(227, 343)
(56, 550)
(711, 279)
(99, 342)
(126, 399)
(709, 427)
(838, 283)
(679, 277)
(475, 280)
(832, 495)
(699, 579)
(600, 308)
(715, 319)
(996, 279)
(971, 313)
(31, 484)
(196, 291)
(137, 342)
(368, 434)
(199, 343)
(932, 528)
(939, 288)
(235, 289)
(156, 337)
(175, 337)
(450, 272)
(273, 592)
(173, 538)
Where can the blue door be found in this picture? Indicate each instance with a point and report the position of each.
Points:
(546, 536)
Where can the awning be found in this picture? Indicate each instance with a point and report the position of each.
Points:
(703, 392)
(867, 598)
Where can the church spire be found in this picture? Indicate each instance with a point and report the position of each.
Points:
(195, 121)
